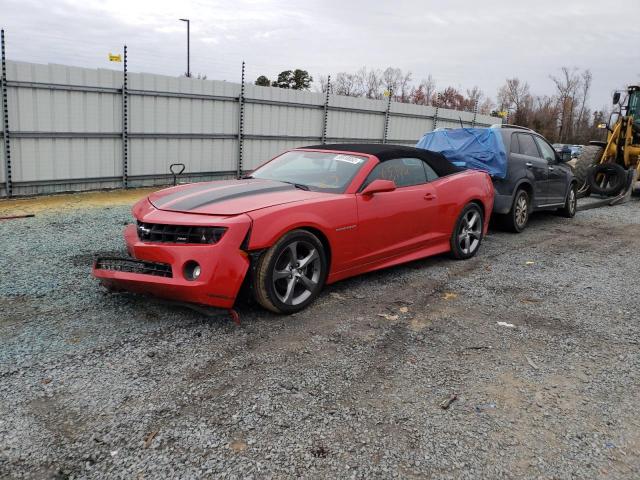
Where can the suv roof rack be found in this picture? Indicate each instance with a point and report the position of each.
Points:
(508, 125)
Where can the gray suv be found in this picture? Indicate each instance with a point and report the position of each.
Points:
(538, 178)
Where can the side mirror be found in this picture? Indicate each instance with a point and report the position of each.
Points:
(379, 186)
(616, 98)
(565, 155)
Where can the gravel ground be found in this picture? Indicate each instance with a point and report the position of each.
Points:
(95, 385)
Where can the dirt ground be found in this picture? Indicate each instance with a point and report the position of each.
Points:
(536, 339)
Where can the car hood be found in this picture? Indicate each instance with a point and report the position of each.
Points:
(228, 197)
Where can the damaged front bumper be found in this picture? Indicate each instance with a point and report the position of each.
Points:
(165, 269)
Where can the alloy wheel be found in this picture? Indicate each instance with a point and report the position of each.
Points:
(296, 273)
(572, 201)
(470, 232)
(521, 210)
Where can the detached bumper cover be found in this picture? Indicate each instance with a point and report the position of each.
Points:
(158, 268)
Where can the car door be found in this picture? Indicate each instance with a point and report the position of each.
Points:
(536, 166)
(397, 222)
(556, 175)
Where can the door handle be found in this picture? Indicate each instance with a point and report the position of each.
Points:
(551, 169)
(529, 164)
(429, 196)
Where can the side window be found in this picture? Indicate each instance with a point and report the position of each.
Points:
(404, 172)
(548, 153)
(527, 145)
(431, 174)
(515, 145)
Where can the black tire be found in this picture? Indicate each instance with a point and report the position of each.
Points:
(607, 179)
(571, 203)
(467, 233)
(285, 294)
(590, 156)
(517, 218)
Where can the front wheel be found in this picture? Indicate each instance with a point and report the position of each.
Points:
(291, 274)
(467, 233)
(571, 204)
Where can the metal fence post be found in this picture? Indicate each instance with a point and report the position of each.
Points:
(239, 167)
(435, 115)
(125, 124)
(326, 111)
(387, 114)
(475, 114)
(5, 122)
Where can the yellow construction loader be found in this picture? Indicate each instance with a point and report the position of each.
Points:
(611, 168)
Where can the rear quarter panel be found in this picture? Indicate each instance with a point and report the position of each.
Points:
(456, 191)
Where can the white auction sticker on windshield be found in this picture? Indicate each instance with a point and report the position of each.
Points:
(349, 158)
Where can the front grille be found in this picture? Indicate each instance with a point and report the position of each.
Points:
(134, 266)
(157, 232)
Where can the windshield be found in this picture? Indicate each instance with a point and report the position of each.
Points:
(318, 171)
(634, 105)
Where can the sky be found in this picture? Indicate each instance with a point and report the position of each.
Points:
(462, 43)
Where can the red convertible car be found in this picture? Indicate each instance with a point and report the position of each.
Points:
(309, 217)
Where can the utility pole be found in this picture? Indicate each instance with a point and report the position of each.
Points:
(188, 46)
(5, 120)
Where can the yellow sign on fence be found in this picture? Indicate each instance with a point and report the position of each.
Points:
(115, 58)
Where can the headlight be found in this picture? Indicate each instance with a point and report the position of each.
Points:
(157, 232)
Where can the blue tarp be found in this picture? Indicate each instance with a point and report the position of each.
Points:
(476, 148)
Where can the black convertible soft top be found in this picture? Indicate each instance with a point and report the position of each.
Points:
(384, 152)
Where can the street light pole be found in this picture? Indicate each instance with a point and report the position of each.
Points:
(188, 41)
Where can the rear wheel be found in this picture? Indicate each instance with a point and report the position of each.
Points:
(518, 217)
(291, 274)
(590, 155)
(467, 233)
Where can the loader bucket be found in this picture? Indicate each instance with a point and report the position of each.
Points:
(622, 197)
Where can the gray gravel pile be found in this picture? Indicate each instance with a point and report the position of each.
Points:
(96, 385)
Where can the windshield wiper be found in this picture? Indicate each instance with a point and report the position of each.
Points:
(297, 185)
(246, 177)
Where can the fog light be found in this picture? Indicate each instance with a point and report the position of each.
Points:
(191, 270)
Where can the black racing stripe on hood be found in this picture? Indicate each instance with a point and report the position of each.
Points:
(195, 188)
(222, 195)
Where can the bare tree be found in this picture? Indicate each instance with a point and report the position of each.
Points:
(405, 87)
(423, 93)
(399, 83)
(487, 107)
(567, 86)
(369, 82)
(346, 84)
(474, 96)
(582, 122)
(391, 79)
(514, 96)
(544, 116)
(323, 80)
(429, 87)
